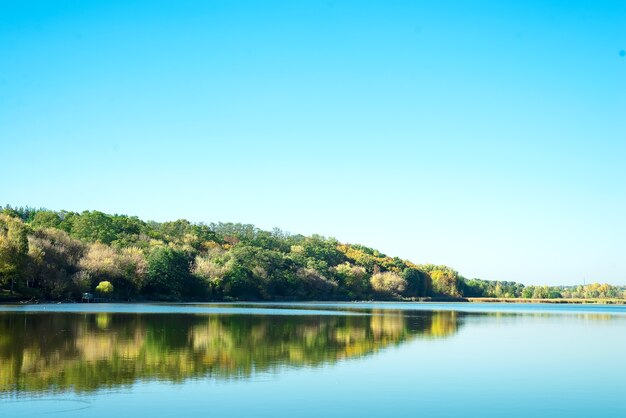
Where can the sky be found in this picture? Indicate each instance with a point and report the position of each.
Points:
(487, 136)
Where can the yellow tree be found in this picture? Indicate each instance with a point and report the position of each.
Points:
(445, 282)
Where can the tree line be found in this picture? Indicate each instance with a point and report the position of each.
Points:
(60, 255)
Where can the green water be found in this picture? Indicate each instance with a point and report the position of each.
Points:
(312, 360)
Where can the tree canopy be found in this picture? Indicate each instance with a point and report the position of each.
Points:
(58, 255)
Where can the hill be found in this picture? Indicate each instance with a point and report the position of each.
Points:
(59, 255)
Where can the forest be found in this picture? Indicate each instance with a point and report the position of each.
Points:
(61, 255)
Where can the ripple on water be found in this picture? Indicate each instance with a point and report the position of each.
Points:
(18, 408)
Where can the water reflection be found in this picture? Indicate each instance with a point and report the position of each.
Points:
(41, 352)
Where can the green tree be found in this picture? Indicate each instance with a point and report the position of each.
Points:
(167, 273)
(528, 292)
(541, 292)
(46, 219)
(13, 249)
(323, 249)
(354, 279)
(418, 282)
(94, 226)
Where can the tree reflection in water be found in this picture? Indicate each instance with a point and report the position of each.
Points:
(85, 352)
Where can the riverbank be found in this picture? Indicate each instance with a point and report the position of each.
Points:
(6, 297)
(575, 301)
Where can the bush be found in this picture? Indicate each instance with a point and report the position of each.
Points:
(104, 288)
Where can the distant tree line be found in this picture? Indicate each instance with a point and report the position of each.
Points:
(60, 255)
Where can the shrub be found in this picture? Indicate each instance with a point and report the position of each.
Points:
(104, 288)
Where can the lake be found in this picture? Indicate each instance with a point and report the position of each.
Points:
(312, 360)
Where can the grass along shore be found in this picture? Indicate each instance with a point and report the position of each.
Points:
(580, 301)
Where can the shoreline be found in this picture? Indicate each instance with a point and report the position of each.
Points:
(471, 300)
(577, 301)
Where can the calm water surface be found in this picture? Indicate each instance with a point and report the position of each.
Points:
(312, 360)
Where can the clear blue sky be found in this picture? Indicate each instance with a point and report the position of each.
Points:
(488, 136)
